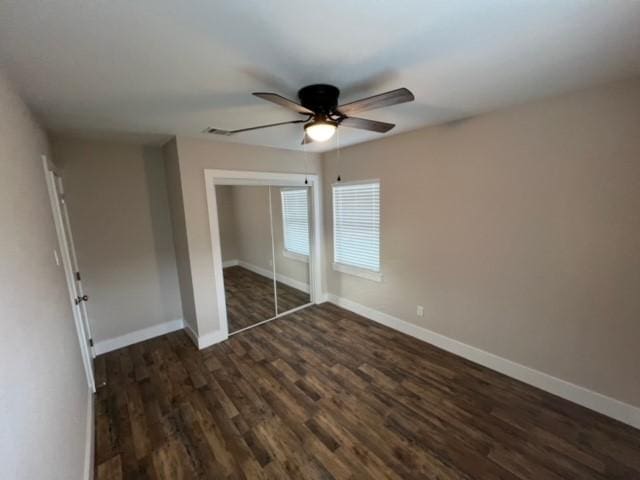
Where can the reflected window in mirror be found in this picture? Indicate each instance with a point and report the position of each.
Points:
(295, 223)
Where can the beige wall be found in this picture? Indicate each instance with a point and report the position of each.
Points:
(519, 232)
(178, 222)
(196, 155)
(43, 388)
(227, 223)
(250, 210)
(117, 199)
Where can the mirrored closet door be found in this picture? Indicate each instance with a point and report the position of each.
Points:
(290, 214)
(265, 246)
(247, 255)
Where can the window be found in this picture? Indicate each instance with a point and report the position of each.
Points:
(356, 228)
(295, 223)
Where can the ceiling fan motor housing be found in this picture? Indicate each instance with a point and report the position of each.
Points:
(321, 98)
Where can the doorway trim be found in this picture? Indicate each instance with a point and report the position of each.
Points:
(215, 177)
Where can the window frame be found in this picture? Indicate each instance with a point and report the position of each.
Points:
(300, 257)
(352, 269)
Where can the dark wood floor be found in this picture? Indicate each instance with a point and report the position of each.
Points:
(250, 297)
(323, 393)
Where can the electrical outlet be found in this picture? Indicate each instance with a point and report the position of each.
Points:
(420, 311)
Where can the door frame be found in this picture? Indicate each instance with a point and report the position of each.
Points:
(215, 177)
(69, 273)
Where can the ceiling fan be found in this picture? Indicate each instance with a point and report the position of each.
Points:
(319, 104)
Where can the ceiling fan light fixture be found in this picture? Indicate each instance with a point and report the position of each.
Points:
(321, 130)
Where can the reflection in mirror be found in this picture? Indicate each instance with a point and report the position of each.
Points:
(247, 254)
(290, 217)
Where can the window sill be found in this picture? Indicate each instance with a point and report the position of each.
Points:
(295, 256)
(358, 272)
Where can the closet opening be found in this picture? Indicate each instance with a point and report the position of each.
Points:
(266, 245)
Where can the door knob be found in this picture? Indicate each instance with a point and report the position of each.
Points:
(83, 298)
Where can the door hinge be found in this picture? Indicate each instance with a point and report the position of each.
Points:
(91, 342)
(78, 276)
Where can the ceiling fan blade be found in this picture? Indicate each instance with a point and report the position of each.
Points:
(394, 97)
(365, 124)
(283, 102)
(219, 131)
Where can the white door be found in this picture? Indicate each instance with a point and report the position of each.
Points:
(82, 297)
(73, 275)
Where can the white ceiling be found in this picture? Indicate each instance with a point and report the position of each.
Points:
(102, 67)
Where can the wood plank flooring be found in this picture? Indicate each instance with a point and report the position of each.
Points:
(325, 394)
(250, 297)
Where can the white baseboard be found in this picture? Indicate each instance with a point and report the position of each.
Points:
(89, 453)
(206, 340)
(211, 338)
(611, 407)
(292, 282)
(104, 346)
(326, 297)
(191, 333)
(230, 263)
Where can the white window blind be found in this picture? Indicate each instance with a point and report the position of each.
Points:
(356, 225)
(295, 221)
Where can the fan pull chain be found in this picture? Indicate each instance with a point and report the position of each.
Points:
(306, 159)
(338, 154)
